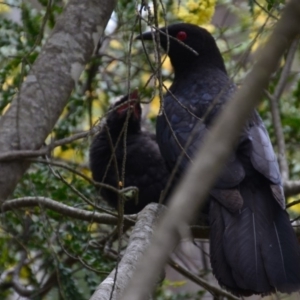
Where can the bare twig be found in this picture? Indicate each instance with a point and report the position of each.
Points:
(17, 285)
(265, 10)
(92, 182)
(20, 288)
(293, 203)
(214, 290)
(21, 154)
(10, 5)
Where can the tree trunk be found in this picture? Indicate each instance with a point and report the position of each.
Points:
(47, 88)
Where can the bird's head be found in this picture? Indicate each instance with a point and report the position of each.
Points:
(187, 45)
(127, 109)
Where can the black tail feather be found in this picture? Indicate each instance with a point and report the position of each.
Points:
(281, 252)
(255, 250)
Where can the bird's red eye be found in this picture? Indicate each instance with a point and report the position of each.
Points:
(181, 35)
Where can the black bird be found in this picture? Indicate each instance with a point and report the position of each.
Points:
(253, 247)
(144, 166)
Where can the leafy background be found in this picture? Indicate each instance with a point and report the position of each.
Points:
(62, 261)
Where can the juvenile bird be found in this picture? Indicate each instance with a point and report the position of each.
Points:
(122, 142)
(253, 246)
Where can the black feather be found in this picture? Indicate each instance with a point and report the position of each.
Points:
(144, 166)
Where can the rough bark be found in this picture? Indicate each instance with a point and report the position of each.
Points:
(45, 91)
(113, 286)
(212, 156)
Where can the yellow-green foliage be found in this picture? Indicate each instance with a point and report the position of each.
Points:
(195, 11)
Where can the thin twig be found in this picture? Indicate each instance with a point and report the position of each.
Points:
(18, 287)
(292, 203)
(92, 182)
(20, 154)
(265, 10)
(214, 290)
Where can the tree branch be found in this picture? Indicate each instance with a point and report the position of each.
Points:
(291, 187)
(45, 91)
(18, 287)
(274, 101)
(212, 156)
(138, 242)
(21, 154)
(65, 210)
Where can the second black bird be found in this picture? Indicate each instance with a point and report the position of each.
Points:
(120, 146)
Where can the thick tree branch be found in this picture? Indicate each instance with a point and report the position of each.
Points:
(65, 210)
(43, 95)
(212, 156)
(138, 242)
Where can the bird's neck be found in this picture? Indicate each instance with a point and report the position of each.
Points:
(184, 67)
(117, 128)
